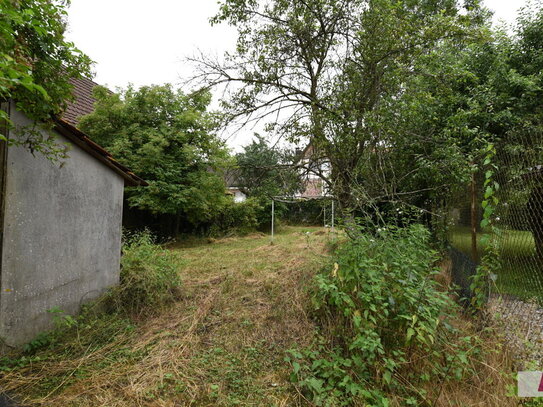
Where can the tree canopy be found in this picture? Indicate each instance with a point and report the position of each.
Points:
(471, 95)
(264, 171)
(168, 139)
(331, 68)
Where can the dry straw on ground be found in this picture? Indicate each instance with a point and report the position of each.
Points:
(244, 303)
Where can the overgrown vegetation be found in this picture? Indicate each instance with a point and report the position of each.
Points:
(245, 303)
(400, 100)
(264, 171)
(236, 218)
(149, 277)
(221, 344)
(388, 334)
(168, 138)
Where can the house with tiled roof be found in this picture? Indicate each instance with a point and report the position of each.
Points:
(60, 223)
(314, 169)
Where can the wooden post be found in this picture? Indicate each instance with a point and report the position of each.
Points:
(333, 213)
(474, 253)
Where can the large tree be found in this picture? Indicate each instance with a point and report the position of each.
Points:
(329, 68)
(36, 64)
(168, 139)
(266, 171)
(469, 96)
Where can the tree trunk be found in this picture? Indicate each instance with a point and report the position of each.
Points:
(342, 180)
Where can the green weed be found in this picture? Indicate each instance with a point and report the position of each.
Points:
(381, 309)
(149, 277)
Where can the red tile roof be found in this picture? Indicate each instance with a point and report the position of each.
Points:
(83, 103)
(66, 125)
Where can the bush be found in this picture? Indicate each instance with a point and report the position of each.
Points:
(264, 213)
(309, 212)
(380, 309)
(149, 277)
(236, 218)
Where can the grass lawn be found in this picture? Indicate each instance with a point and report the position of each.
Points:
(520, 275)
(222, 344)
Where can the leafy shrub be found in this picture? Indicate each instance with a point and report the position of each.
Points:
(149, 277)
(311, 212)
(380, 307)
(264, 213)
(244, 217)
(236, 217)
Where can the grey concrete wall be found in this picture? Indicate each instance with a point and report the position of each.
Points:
(61, 238)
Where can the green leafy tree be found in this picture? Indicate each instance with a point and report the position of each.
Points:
(167, 138)
(264, 171)
(36, 65)
(468, 96)
(330, 68)
(522, 149)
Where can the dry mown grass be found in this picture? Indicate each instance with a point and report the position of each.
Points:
(244, 303)
(491, 382)
(223, 343)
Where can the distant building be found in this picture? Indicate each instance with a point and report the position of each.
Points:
(314, 169)
(232, 188)
(60, 226)
(237, 194)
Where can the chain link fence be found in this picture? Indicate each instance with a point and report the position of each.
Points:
(516, 286)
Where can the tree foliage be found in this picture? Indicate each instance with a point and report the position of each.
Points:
(167, 138)
(469, 96)
(333, 66)
(265, 171)
(37, 63)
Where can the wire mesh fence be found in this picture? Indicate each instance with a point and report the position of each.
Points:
(516, 286)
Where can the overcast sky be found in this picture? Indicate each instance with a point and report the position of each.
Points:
(143, 42)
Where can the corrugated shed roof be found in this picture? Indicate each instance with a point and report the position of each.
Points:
(66, 125)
